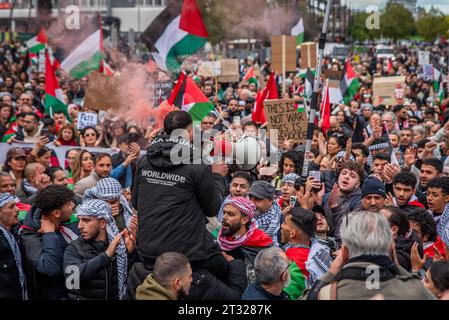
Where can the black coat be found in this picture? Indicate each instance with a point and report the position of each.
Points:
(43, 258)
(9, 273)
(172, 202)
(98, 272)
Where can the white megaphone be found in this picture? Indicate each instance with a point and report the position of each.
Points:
(245, 153)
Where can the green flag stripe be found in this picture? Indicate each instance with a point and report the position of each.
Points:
(187, 46)
(200, 109)
(87, 66)
(297, 284)
(52, 104)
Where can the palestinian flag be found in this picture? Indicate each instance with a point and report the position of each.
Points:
(270, 92)
(177, 32)
(251, 77)
(86, 51)
(187, 96)
(437, 81)
(349, 84)
(298, 32)
(38, 42)
(298, 271)
(309, 78)
(54, 100)
(12, 131)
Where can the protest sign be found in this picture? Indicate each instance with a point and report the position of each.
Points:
(308, 55)
(384, 89)
(161, 91)
(209, 69)
(289, 118)
(428, 72)
(86, 119)
(102, 92)
(229, 71)
(283, 51)
(423, 57)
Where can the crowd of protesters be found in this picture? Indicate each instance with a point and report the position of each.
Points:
(136, 225)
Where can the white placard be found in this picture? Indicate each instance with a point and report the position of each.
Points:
(86, 119)
(423, 57)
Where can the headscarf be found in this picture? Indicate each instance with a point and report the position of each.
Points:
(102, 210)
(109, 189)
(6, 198)
(246, 207)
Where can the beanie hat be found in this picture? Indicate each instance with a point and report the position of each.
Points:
(372, 185)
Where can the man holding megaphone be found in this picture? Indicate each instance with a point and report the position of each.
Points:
(173, 198)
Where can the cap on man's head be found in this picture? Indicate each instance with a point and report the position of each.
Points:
(372, 185)
(262, 190)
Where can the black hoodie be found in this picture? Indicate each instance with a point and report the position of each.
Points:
(173, 200)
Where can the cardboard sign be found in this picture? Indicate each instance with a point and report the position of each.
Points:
(428, 72)
(277, 54)
(86, 119)
(102, 93)
(423, 57)
(289, 118)
(384, 89)
(308, 55)
(161, 91)
(332, 74)
(229, 71)
(209, 69)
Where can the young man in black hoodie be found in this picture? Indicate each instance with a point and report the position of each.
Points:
(174, 192)
(45, 234)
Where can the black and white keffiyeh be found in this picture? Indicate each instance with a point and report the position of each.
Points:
(6, 198)
(270, 222)
(109, 189)
(101, 210)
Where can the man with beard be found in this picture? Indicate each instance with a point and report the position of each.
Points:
(272, 276)
(373, 195)
(31, 130)
(170, 279)
(100, 254)
(310, 259)
(239, 235)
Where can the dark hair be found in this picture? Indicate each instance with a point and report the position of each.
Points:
(35, 116)
(381, 156)
(124, 139)
(87, 128)
(47, 121)
(399, 219)
(340, 138)
(354, 166)
(422, 143)
(293, 155)
(362, 147)
(304, 219)
(168, 266)
(425, 220)
(6, 167)
(100, 156)
(43, 151)
(434, 162)
(50, 171)
(177, 119)
(439, 272)
(406, 178)
(52, 198)
(243, 175)
(249, 124)
(440, 182)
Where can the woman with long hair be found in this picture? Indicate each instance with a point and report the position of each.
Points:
(82, 166)
(15, 164)
(69, 165)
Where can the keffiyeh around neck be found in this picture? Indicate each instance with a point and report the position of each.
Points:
(101, 210)
(270, 222)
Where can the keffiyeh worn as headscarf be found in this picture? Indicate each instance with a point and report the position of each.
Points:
(101, 210)
(246, 207)
(6, 198)
(109, 189)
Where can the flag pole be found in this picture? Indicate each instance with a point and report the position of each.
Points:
(215, 76)
(316, 87)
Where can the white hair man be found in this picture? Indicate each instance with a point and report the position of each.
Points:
(364, 267)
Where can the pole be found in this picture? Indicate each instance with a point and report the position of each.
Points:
(316, 87)
(283, 65)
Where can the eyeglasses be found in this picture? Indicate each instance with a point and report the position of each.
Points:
(90, 135)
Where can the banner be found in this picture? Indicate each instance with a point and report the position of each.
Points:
(289, 118)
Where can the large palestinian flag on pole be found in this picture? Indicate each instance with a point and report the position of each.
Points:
(187, 96)
(54, 100)
(85, 52)
(177, 32)
(37, 43)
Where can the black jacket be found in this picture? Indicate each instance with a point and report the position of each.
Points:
(98, 272)
(173, 200)
(43, 258)
(9, 273)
